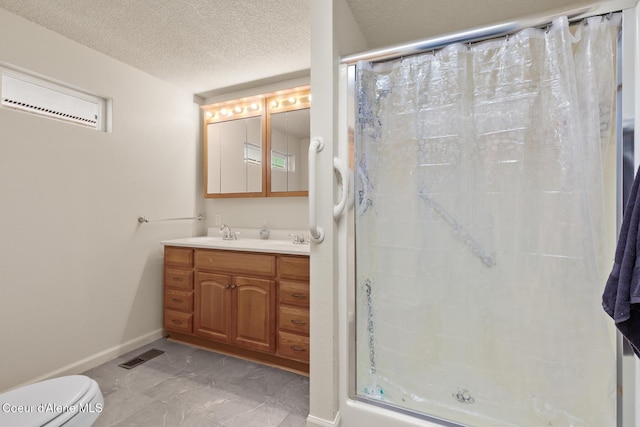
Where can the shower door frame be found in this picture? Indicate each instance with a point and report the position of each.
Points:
(626, 165)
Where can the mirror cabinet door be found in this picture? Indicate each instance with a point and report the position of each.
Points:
(234, 157)
(289, 150)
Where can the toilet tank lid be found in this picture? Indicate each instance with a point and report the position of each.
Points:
(41, 402)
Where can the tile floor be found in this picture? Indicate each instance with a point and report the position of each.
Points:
(187, 386)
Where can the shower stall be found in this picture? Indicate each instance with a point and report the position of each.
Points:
(489, 174)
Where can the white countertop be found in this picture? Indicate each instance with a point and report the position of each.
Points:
(246, 244)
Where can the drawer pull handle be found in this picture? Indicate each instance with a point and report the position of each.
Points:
(298, 322)
(227, 287)
(176, 300)
(296, 348)
(177, 279)
(302, 296)
(233, 286)
(177, 322)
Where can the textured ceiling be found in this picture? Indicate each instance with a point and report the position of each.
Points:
(208, 46)
(198, 45)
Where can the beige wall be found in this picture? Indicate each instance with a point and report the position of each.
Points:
(81, 280)
(290, 213)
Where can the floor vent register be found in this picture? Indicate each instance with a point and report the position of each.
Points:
(140, 359)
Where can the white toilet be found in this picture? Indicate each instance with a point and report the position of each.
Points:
(72, 401)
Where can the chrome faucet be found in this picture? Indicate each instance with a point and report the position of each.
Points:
(298, 239)
(227, 234)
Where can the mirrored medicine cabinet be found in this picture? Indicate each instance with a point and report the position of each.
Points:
(258, 146)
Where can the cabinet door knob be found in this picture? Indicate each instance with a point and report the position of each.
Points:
(227, 287)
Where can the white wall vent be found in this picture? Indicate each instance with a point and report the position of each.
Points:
(36, 95)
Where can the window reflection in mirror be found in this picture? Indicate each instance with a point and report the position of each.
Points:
(288, 137)
(290, 150)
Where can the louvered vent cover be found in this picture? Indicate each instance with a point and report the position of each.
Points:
(141, 358)
(38, 96)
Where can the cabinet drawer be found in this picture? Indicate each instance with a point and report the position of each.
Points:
(179, 300)
(178, 321)
(294, 267)
(294, 293)
(179, 257)
(294, 319)
(236, 262)
(177, 278)
(293, 346)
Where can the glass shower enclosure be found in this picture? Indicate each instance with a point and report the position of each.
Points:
(484, 223)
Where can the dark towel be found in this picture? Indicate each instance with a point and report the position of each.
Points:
(621, 298)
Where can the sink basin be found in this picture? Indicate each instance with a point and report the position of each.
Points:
(284, 245)
(254, 245)
(221, 241)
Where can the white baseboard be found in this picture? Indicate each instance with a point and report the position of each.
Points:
(313, 421)
(98, 358)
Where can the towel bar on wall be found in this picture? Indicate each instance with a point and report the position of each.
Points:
(143, 219)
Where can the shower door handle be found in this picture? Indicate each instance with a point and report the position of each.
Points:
(316, 233)
(339, 167)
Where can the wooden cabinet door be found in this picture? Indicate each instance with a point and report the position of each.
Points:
(213, 307)
(254, 303)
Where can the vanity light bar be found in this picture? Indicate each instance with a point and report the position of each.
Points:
(253, 106)
(238, 108)
(281, 101)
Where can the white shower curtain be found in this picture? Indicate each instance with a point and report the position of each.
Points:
(480, 229)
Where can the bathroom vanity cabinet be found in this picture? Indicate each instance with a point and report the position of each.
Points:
(251, 305)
